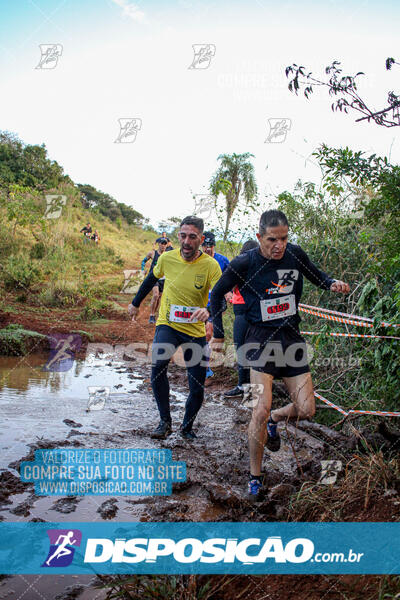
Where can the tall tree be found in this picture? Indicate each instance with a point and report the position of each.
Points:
(28, 166)
(234, 178)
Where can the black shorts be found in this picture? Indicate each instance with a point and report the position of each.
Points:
(280, 352)
(160, 284)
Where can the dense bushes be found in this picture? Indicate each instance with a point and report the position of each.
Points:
(18, 273)
(346, 231)
(107, 206)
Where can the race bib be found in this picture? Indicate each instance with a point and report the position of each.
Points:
(182, 314)
(278, 308)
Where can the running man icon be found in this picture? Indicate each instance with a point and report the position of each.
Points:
(62, 352)
(61, 550)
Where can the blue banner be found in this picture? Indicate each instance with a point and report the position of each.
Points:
(208, 548)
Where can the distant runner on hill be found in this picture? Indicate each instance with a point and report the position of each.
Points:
(95, 237)
(86, 230)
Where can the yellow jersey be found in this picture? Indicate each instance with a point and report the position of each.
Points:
(186, 285)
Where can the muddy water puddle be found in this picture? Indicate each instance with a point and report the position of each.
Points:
(35, 403)
(43, 409)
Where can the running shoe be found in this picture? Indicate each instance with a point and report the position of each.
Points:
(255, 490)
(162, 431)
(237, 392)
(152, 319)
(188, 435)
(273, 442)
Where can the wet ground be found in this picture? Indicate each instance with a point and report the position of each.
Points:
(49, 410)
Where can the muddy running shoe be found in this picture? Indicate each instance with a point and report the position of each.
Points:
(255, 490)
(273, 442)
(152, 319)
(237, 392)
(162, 431)
(188, 435)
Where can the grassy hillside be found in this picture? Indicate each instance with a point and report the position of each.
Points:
(50, 265)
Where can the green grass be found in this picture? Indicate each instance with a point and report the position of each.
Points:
(55, 269)
(17, 341)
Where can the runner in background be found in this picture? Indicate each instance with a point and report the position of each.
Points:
(87, 230)
(169, 244)
(159, 286)
(270, 279)
(95, 237)
(209, 248)
(239, 331)
(150, 254)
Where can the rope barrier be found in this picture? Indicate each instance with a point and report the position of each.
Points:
(305, 308)
(337, 319)
(356, 335)
(331, 404)
(381, 413)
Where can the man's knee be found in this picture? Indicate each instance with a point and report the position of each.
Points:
(306, 410)
(260, 415)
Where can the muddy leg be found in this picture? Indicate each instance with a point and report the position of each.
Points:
(154, 300)
(303, 401)
(258, 425)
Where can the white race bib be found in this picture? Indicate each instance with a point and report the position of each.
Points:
(278, 308)
(182, 314)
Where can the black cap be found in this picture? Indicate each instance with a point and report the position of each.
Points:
(162, 240)
(209, 239)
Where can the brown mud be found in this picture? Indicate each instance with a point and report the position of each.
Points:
(217, 463)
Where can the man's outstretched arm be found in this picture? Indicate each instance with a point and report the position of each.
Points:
(147, 285)
(318, 277)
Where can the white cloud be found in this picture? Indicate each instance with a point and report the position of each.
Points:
(131, 10)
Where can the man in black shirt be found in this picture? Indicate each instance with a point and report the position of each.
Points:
(270, 279)
(87, 230)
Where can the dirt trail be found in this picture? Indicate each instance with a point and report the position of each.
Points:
(217, 461)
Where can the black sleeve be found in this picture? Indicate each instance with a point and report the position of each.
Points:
(311, 271)
(234, 274)
(147, 285)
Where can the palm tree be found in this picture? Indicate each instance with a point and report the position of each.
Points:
(234, 176)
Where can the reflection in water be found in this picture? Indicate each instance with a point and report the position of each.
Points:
(34, 403)
(21, 373)
(24, 375)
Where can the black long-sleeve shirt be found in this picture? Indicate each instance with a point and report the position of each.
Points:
(261, 279)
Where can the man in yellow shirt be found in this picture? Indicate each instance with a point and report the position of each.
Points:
(189, 275)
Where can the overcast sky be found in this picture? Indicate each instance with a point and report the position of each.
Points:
(130, 60)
